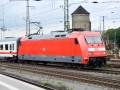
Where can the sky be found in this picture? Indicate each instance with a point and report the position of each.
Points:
(50, 13)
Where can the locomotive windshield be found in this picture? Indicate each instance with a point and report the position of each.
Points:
(93, 40)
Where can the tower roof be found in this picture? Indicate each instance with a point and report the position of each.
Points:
(80, 10)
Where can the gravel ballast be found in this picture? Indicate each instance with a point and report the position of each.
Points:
(71, 85)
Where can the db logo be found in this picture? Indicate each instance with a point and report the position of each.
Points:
(97, 53)
(96, 49)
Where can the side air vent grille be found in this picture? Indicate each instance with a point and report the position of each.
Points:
(57, 35)
(63, 35)
(60, 35)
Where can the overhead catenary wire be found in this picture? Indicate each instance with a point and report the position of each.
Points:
(38, 8)
(38, 14)
(41, 21)
(35, 14)
(91, 12)
(5, 4)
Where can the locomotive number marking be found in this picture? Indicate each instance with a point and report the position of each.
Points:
(101, 49)
(91, 49)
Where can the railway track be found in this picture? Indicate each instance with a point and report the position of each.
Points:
(113, 65)
(106, 71)
(65, 74)
(74, 69)
(114, 60)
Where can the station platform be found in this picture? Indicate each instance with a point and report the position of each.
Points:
(8, 83)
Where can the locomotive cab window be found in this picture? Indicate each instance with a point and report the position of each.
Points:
(6, 46)
(89, 40)
(97, 40)
(1, 47)
(75, 41)
(93, 40)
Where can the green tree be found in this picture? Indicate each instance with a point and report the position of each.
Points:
(111, 34)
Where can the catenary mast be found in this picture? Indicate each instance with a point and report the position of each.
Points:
(27, 19)
(66, 16)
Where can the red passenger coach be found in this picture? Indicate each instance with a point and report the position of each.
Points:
(77, 48)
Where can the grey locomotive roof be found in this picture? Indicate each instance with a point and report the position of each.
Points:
(80, 10)
(49, 36)
(9, 39)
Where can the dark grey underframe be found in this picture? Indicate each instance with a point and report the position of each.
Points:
(64, 59)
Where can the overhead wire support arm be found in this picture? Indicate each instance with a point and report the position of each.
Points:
(38, 25)
(27, 15)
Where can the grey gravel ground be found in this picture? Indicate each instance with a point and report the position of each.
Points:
(111, 76)
(72, 85)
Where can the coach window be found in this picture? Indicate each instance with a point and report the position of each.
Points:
(13, 46)
(6, 46)
(1, 47)
(10, 46)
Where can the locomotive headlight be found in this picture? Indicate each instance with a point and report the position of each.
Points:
(90, 53)
(103, 52)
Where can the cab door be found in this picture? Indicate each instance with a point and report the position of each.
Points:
(77, 49)
(72, 47)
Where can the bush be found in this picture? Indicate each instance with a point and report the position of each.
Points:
(107, 48)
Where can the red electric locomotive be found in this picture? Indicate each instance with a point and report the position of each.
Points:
(81, 49)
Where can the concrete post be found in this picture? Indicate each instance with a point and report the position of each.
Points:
(115, 55)
(119, 52)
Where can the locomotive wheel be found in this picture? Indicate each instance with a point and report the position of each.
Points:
(67, 65)
(100, 64)
(78, 66)
(45, 63)
(33, 62)
(25, 62)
